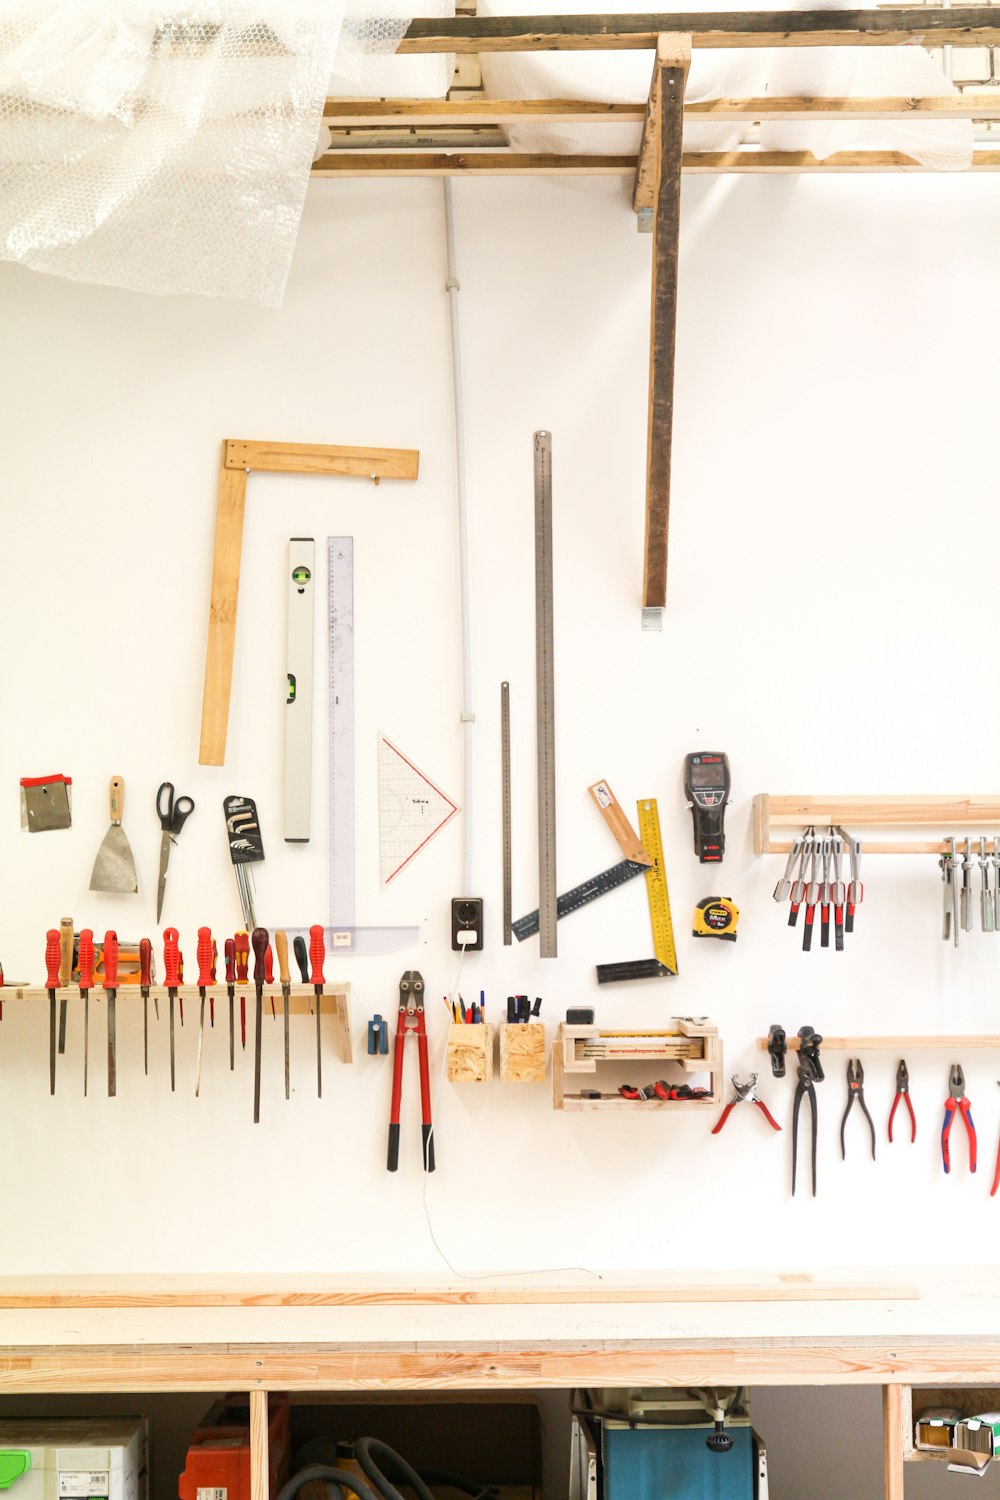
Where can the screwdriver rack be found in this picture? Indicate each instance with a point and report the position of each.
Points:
(976, 814)
(580, 1050)
(334, 1006)
(898, 1044)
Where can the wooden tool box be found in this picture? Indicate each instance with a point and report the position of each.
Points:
(588, 1060)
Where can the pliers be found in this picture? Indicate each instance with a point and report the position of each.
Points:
(855, 1090)
(805, 1086)
(663, 1091)
(957, 1101)
(903, 1092)
(996, 1174)
(745, 1093)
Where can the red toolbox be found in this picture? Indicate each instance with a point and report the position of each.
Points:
(218, 1457)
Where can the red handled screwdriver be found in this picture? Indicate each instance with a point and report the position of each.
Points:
(110, 982)
(281, 943)
(171, 978)
(145, 980)
(269, 976)
(229, 948)
(211, 993)
(53, 958)
(260, 959)
(206, 958)
(65, 975)
(242, 965)
(86, 963)
(317, 953)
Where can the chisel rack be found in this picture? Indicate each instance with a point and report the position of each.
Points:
(334, 1006)
(855, 813)
(900, 1044)
(592, 1060)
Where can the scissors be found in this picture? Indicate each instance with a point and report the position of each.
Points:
(172, 815)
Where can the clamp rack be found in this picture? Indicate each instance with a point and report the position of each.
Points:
(774, 812)
(584, 1050)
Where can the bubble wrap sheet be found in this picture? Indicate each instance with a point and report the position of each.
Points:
(168, 149)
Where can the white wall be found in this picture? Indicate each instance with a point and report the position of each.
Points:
(831, 625)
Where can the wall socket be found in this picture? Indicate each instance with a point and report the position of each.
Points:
(467, 924)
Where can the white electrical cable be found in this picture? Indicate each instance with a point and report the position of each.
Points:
(468, 718)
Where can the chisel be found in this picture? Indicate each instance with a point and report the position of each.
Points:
(206, 956)
(171, 978)
(86, 962)
(281, 943)
(229, 948)
(65, 974)
(317, 952)
(52, 960)
(145, 980)
(259, 941)
(110, 983)
(242, 964)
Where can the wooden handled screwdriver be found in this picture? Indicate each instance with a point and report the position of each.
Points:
(259, 941)
(86, 962)
(65, 974)
(281, 943)
(110, 982)
(52, 961)
(317, 952)
(171, 978)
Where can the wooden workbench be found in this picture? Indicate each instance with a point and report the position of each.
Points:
(894, 1329)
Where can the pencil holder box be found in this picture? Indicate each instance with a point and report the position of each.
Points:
(522, 1053)
(470, 1054)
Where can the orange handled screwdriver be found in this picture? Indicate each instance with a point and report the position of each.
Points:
(281, 943)
(259, 941)
(171, 978)
(53, 958)
(145, 980)
(242, 964)
(86, 962)
(317, 953)
(229, 948)
(65, 975)
(206, 960)
(110, 982)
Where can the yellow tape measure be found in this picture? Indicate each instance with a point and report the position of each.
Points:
(656, 885)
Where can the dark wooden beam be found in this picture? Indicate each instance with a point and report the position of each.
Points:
(665, 129)
(975, 25)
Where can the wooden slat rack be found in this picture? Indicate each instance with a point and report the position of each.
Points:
(900, 1044)
(974, 815)
(580, 1051)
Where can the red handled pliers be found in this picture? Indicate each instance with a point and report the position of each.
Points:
(663, 1091)
(903, 1092)
(957, 1101)
(745, 1093)
(996, 1174)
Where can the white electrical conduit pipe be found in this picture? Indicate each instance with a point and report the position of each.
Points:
(467, 716)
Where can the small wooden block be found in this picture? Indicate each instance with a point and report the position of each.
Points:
(470, 1054)
(522, 1053)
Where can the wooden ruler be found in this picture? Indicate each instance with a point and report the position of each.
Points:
(625, 835)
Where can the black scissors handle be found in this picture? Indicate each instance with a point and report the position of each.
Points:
(174, 815)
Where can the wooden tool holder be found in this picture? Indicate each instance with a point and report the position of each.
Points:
(973, 814)
(335, 1004)
(522, 1053)
(900, 1044)
(592, 1058)
(470, 1053)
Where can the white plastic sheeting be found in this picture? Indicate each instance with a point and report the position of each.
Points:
(167, 148)
(624, 77)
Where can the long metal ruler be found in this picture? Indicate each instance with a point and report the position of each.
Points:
(582, 895)
(505, 794)
(548, 912)
(665, 962)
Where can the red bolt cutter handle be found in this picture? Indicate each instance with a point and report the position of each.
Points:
(206, 957)
(392, 1160)
(85, 962)
(427, 1125)
(110, 980)
(53, 958)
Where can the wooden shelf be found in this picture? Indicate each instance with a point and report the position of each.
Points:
(584, 1050)
(901, 1044)
(976, 813)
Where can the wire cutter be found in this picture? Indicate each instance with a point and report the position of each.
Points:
(957, 1101)
(903, 1092)
(410, 1022)
(855, 1090)
(745, 1093)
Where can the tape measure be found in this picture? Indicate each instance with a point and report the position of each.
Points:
(716, 917)
(665, 962)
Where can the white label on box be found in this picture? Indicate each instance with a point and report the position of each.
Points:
(208, 1493)
(82, 1483)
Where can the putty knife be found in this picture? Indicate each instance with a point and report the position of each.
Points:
(114, 867)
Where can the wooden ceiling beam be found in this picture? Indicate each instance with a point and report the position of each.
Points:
(522, 164)
(977, 25)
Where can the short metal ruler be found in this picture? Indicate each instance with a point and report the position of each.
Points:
(665, 962)
(343, 935)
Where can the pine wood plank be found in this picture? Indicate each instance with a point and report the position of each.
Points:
(955, 1042)
(892, 1440)
(481, 110)
(322, 458)
(526, 164)
(260, 1487)
(221, 647)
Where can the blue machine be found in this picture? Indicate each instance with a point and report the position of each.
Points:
(672, 1463)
